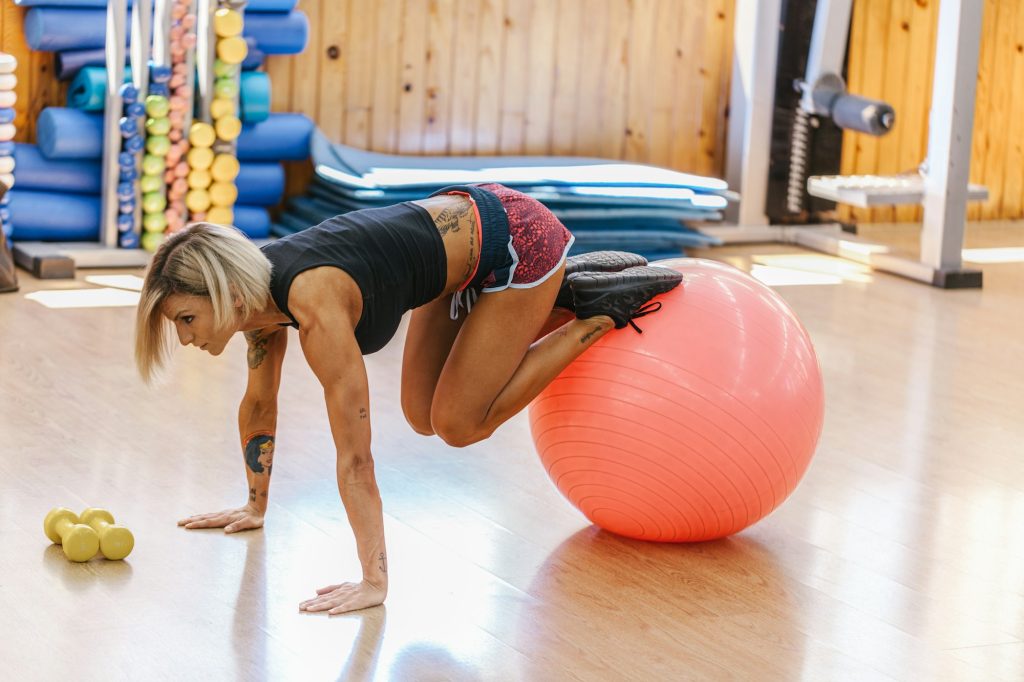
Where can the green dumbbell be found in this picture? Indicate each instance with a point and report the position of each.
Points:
(79, 541)
(116, 542)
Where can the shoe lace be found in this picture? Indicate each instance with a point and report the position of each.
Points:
(652, 307)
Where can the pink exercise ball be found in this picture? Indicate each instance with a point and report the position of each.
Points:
(695, 429)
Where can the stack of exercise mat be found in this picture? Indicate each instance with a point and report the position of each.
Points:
(228, 171)
(605, 204)
(8, 65)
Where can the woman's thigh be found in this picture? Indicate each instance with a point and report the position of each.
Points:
(428, 343)
(488, 350)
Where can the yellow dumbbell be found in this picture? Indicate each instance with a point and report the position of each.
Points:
(200, 158)
(232, 50)
(225, 168)
(80, 542)
(199, 179)
(228, 127)
(227, 22)
(197, 200)
(223, 193)
(202, 134)
(220, 215)
(116, 542)
(221, 107)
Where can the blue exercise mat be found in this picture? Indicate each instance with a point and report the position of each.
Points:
(35, 172)
(52, 216)
(361, 169)
(260, 184)
(282, 137)
(56, 29)
(69, 134)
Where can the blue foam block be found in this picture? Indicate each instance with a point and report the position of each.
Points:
(69, 134)
(260, 184)
(51, 216)
(253, 221)
(36, 172)
(278, 33)
(282, 137)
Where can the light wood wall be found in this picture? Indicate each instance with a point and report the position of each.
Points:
(644, 80)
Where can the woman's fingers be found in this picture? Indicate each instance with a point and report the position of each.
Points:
(329, 588)
(244, 523)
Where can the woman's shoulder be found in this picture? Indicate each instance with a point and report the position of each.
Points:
(322, 293)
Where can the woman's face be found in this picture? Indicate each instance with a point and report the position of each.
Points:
(192, 317)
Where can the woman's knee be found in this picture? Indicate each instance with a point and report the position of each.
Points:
(418, 415)
(454, 428)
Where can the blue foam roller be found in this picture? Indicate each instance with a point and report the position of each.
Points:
(69, 134)
(51, 216)
(88, 91)
(7, 115)
(278, 33)
(61, 3)
(254, 96)
(69, 62)
(254, 5)
(36, 172)
(53, 29)
(260, 184)
(282, 137)
(254, 221)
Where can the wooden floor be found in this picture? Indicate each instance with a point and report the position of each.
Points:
(900, 556)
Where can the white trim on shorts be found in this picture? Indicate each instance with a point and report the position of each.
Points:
(530, 285)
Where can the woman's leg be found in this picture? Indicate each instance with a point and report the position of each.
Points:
(428, 342)
(496, 365)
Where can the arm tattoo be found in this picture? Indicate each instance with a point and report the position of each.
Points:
(257, 348)
(252, 494)
(383, 563)
(259, 453)
(363, 414)
(448, 219)
(589, 335)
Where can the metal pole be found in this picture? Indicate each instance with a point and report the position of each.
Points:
(116, 11)
(752, 100)
(950, 126)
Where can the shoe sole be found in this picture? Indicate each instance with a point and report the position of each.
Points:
(603, 261)
(660, 279)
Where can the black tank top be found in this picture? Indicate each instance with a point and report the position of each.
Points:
(394, 254)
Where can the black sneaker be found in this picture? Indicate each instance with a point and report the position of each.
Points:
(622, 296)
(595, 261)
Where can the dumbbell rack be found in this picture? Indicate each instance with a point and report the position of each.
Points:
(59, 260)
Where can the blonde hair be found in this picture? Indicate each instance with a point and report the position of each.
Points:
(208, 260)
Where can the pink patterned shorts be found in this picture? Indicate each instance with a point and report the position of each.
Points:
(539, 240)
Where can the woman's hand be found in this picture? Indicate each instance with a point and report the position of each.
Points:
(345, 597)
(231, 520)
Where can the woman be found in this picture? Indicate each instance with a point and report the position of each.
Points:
(345, 285)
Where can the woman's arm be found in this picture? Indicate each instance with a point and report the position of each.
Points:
(327, 325)
(257, 413)
(257, 426)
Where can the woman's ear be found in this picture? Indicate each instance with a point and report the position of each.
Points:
(236, 298)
